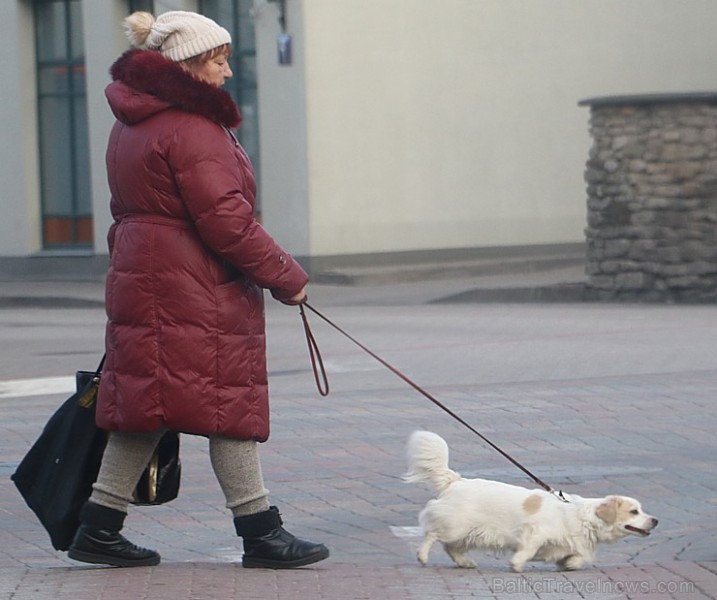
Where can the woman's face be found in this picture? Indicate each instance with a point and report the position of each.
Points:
(214, 71)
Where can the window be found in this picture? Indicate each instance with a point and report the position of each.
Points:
(145, 5)
(62, 114)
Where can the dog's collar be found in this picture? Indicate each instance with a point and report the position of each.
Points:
(560, 496)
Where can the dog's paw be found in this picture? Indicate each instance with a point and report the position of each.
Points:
(517, 567)
(422, 559)
(571, 563)
(465, 563)
(455, 551)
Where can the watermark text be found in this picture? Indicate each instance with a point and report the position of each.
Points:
(599, 585)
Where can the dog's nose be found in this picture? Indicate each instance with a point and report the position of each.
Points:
(654, 522)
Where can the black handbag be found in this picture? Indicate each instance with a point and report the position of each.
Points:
(159, 482)
(56, 475)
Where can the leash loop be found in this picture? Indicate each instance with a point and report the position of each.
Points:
(313, 347)
(317, 363)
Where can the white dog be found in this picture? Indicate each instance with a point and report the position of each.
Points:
(534, 524)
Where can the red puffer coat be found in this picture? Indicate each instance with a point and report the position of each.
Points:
(185, 336)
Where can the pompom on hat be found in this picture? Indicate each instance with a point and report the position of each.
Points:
(176, 34)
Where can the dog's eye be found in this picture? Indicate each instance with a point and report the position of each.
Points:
(634, 511)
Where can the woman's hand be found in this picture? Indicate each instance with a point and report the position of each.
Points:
(299, 298)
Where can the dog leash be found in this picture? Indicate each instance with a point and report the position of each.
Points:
(322, 384)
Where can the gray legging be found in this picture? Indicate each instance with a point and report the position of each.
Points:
(235, 463)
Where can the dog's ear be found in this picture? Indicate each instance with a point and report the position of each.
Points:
(607, 509)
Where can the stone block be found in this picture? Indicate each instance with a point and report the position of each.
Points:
(616, 248)
(602, 282)
(646, 217)
(635, 280)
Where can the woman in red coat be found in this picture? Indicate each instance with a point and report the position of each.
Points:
(185, 338)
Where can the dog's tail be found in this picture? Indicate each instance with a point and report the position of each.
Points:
(428, 461)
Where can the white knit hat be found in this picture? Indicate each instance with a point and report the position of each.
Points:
(177, 34)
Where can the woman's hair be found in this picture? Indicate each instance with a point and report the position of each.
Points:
(224, 49)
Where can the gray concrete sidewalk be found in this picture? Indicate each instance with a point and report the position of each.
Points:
(595, 399)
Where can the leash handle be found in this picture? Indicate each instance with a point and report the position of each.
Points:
(317, 363)
(311, 341)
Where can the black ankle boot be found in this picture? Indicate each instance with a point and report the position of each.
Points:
(268, 545)
(98, 540)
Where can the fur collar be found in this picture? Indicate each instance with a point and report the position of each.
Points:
(148, 72)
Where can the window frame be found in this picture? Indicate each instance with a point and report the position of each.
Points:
(66, 225)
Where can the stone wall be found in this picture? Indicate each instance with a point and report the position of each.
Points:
(652, 198)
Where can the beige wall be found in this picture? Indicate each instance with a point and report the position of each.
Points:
(454, 123)
(19, 187)
(284, 184)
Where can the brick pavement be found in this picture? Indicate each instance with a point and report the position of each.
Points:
(592, 424)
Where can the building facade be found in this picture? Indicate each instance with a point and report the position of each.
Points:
(377, 127)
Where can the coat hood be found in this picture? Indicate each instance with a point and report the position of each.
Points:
(145, 83)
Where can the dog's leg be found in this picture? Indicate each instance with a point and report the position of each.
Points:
(428, 541)
(523, 554)
(571, 563)
(455, 551)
